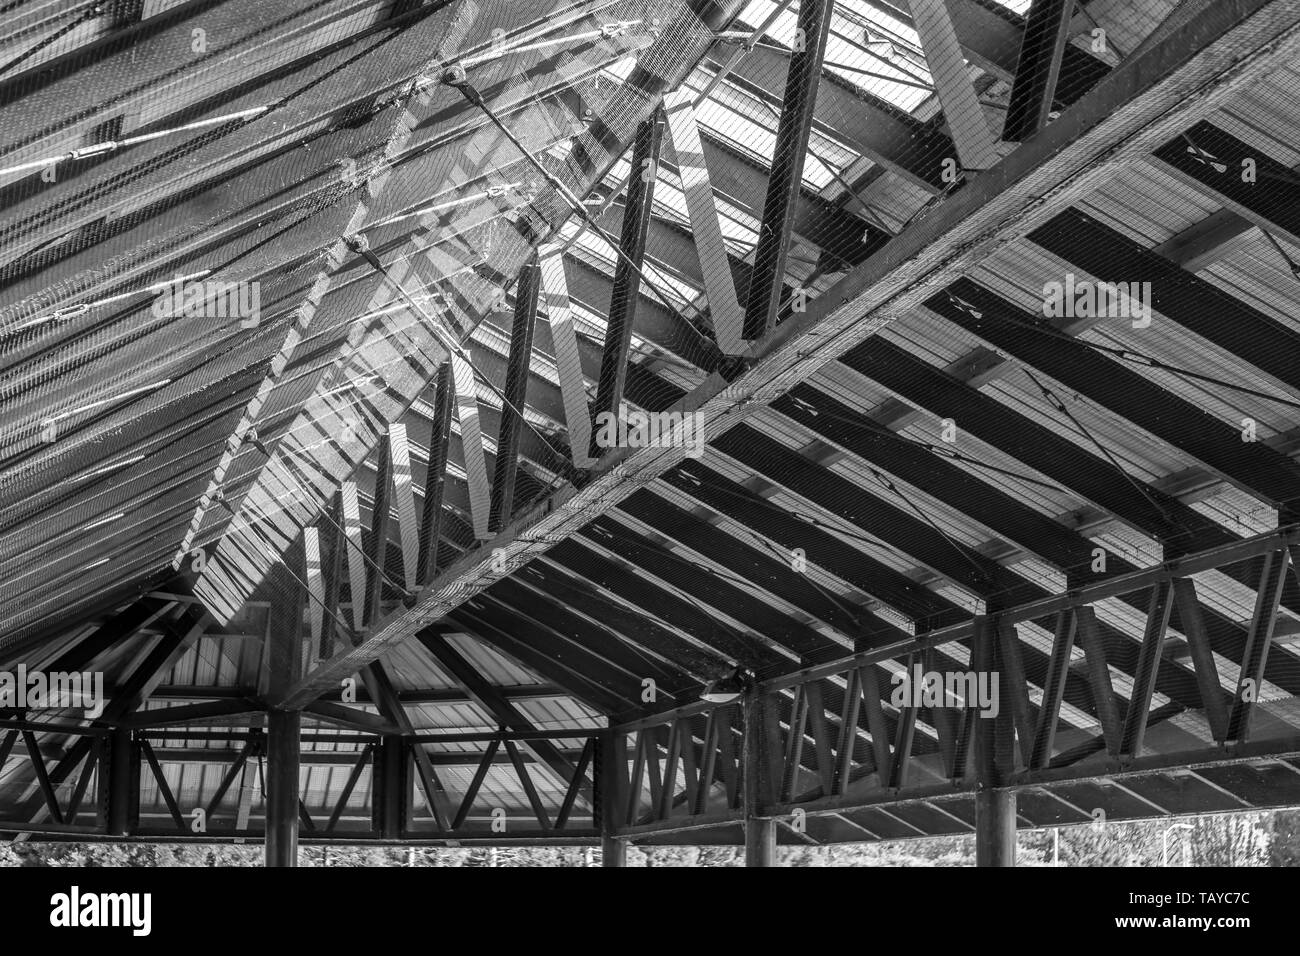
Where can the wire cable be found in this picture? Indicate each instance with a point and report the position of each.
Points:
(1051, 398)
(362, 248)
(1291, 264)
(269, 551)
(289, 470)
(981, 573)
(109, 146)
(575, 204)
(738, 581)
(93, 10)
(1135, 357)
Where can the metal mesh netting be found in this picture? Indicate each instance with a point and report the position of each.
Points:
(422, 278)
(213, 444)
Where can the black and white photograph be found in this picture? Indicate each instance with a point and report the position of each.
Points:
(691, 434)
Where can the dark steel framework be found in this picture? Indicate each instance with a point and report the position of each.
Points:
(816, 752)
(818, 755)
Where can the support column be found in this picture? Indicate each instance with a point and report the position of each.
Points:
(760, 833)
(610, 759)
(282, 787)
(995, 827)
(613, 851)
(391, 784)
(283, 665)
(123, 779)
(760, 842)
(995, 806)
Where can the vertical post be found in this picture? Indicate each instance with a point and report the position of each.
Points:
(995, 827)
(391, 785)
(283, 665)
(610, 757)
(995, 806)
(760, 833)
(282, 787)
(123, 783)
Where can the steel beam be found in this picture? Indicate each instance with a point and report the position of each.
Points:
(865, 123)
(332, 559)
(992, 37)
(843, 498)
(468, 416)
(380, 520)
(177, 637)
(435, 476)
(501, 709)
(588, 645)
(390, 706)
(788, 155)
(116, 629)
(527, 289)
(1042, 50)
(1245, 180)
(1142, 104)
(1251, 466)
(588, 678)
(822, 548)
(962, 111)
(353, 545)
(706, 230)
(1044, 449)
(564, 346)
(646, 605)
(753, 564)
(1198, 645)
(713, 589)
(404, 500)
(1075, 598)
(627, 271)
(1197, 304)
(1268, 594)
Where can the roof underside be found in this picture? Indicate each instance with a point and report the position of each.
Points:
(972, 455)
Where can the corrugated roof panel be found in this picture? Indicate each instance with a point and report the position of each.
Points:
(1146, 203)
